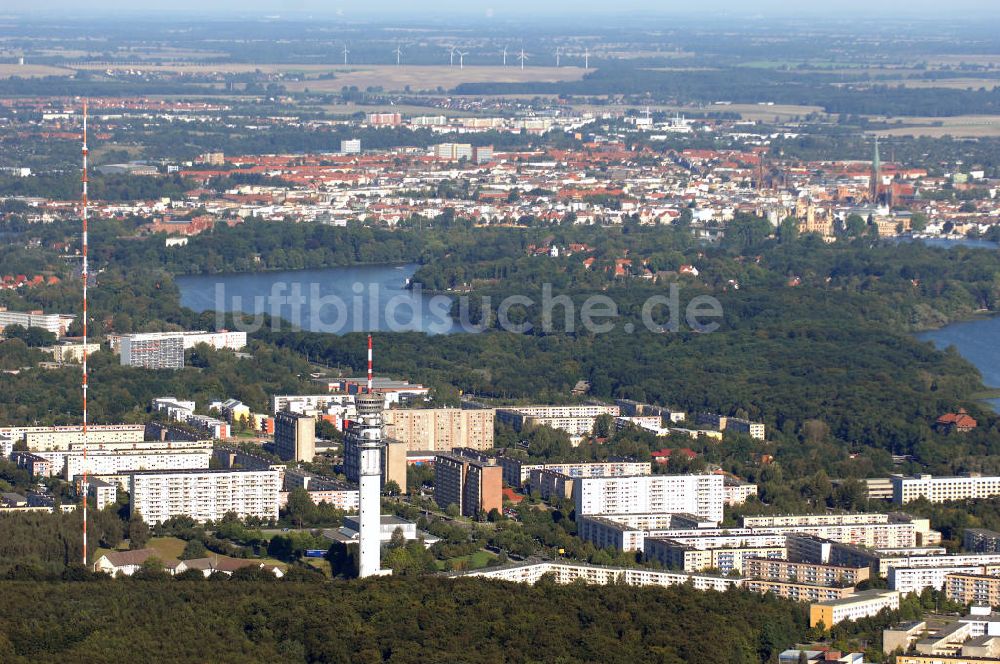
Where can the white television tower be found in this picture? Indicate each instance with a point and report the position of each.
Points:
(368, 435)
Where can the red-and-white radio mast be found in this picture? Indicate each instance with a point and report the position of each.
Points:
(85, 272)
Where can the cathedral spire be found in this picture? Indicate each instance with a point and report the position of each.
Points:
(876, 184)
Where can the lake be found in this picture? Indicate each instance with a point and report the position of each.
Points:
(978, 341)
(338, 300)
(948, 243)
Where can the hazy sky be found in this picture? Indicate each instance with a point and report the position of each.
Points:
(519, 8)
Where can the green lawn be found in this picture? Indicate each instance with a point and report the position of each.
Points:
(168, 548)
(475, 560)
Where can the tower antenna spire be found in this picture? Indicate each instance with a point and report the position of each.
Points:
(369, 364)
(84, 278)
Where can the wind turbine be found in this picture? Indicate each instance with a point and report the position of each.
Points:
(586, 58)
(399, 55)
(504, 56)
(461, 59)
(558, 53)
(522, 58)
(345, 53)
(451, 52)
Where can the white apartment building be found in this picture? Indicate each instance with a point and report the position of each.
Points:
(914, 579)
(845, 519)
(57, 324)
(303, 403)
(941, 489)
(568, 573)
(738, 493)
(678, 554)
(517, 472)
(862, 604)
(574, 420)
(175, 409)
(61, 438)
(204, 495)
(218, 340)
(888, 562)
(120, 462)
(628, 532)
(152, 351)
(702, 495)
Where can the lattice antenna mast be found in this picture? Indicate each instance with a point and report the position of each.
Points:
(85, 278)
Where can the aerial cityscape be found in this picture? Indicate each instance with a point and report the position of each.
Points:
(530, 333)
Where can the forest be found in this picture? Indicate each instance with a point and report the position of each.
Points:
(386, 620)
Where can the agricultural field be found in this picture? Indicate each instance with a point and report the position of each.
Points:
(32, 71)
(959, 126)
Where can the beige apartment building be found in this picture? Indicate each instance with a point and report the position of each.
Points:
(966, 588)
(441, 429)
(812, 573)
(799, 592)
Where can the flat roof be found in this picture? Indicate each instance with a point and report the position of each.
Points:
(198, 471)
(859, 596)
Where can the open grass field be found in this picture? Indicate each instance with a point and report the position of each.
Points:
(389, 77)
(423, 77)
(960, 126)
(32, 71)
(476, 560)
(947, 83)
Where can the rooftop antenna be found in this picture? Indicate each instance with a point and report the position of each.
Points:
(461, 59)
(369, 364)
(83, 384)
(505, 56)
(345, 53)
(399, 55)
(522, 58)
